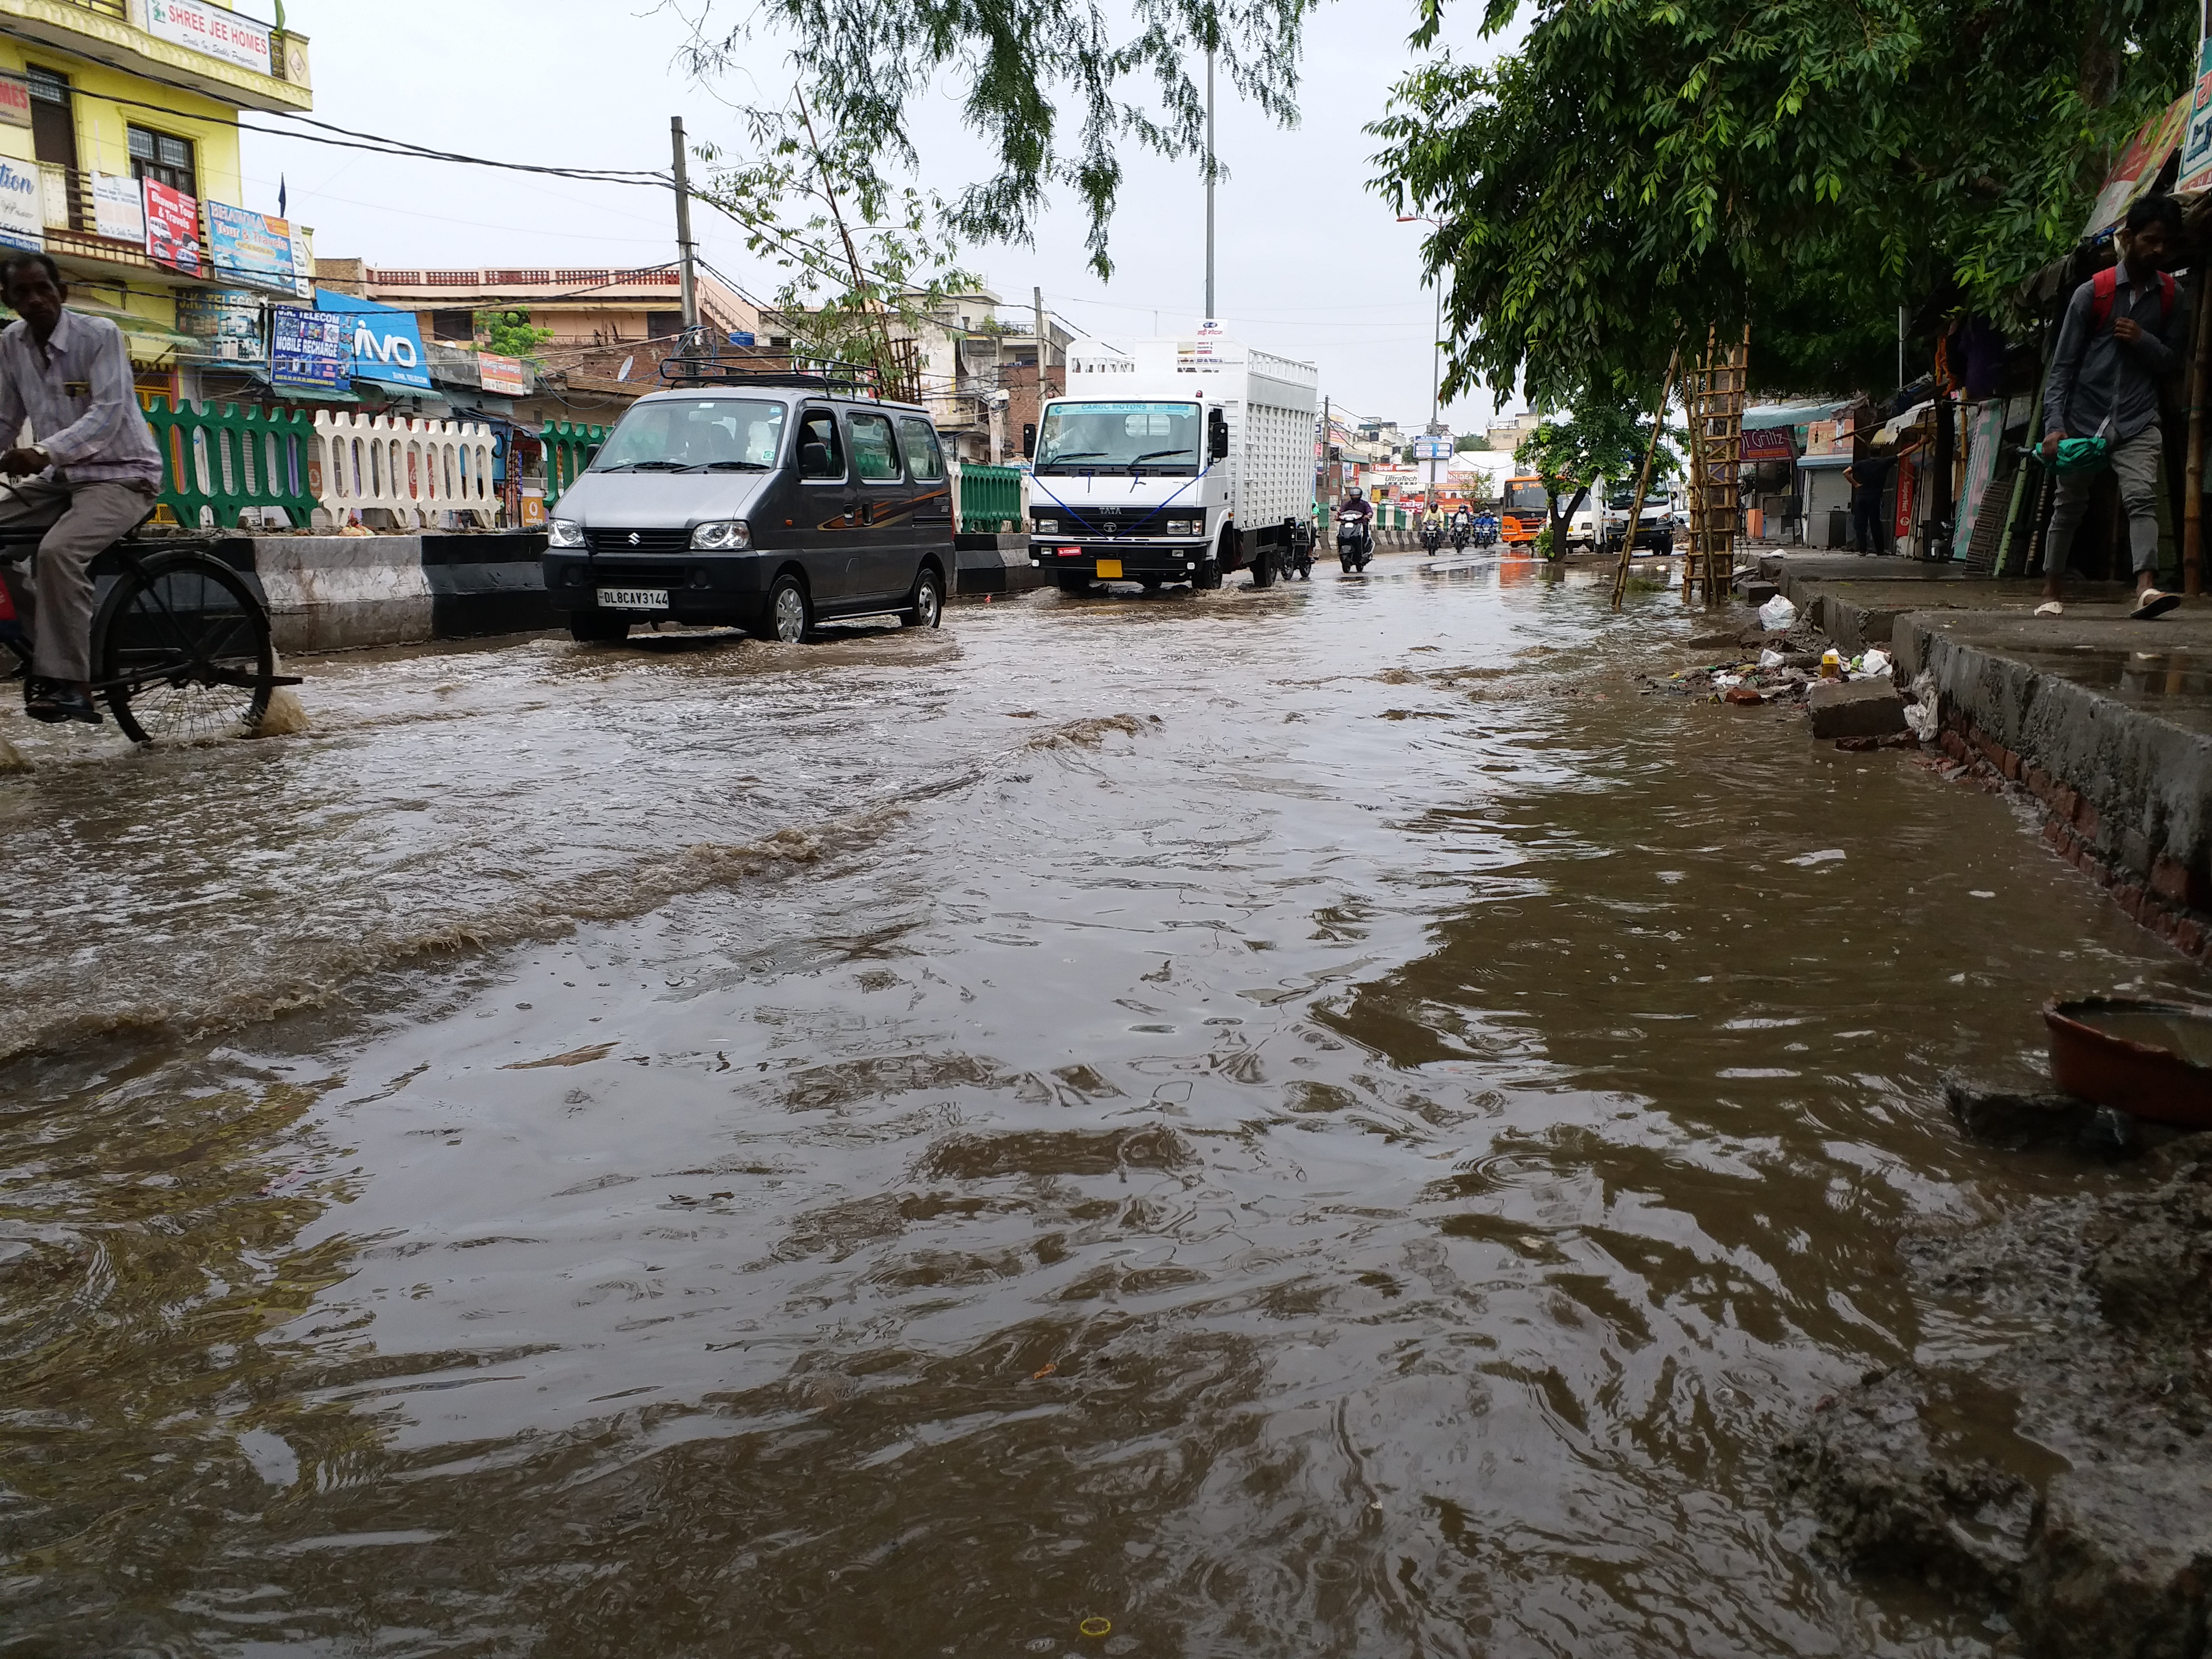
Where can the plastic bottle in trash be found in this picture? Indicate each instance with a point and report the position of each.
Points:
(1832, 665)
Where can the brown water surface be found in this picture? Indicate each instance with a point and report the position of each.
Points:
(1313, 1123)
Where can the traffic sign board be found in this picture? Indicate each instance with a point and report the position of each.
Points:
(1427, 448)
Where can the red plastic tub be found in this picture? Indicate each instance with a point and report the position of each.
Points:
(2151, 1059)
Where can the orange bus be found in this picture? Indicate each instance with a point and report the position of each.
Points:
(1524, 511)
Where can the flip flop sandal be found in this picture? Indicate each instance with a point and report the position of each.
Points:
(2152, 603)
(2050, 608)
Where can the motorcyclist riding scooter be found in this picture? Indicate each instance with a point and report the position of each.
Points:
(1355, 532)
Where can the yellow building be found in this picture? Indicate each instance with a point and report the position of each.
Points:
(97, 96)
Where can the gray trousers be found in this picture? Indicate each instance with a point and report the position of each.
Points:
(56, 602)
(2135, 465)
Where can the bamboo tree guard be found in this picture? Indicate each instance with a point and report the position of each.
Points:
(1643, 484)
(1717, 388)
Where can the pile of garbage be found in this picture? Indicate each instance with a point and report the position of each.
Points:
(1788, 660)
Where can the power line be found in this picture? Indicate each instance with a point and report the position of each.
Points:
(373, 143)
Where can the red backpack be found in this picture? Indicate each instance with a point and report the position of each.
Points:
(2104, 289)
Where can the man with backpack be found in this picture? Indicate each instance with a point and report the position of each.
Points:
(2123, 336)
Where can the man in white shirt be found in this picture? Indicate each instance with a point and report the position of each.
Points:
(88, 477)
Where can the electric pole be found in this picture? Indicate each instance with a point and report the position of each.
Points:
(1209, 186)
(683, 235)
(1044, 352)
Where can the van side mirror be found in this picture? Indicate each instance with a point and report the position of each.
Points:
(1029, 439)
(1217, 434)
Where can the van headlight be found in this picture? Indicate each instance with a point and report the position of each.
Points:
(723, 535)
(564, 532)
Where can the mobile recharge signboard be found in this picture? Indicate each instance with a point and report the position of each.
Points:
(387, 344)
(250, 248)
(308, 350)
(504, 377)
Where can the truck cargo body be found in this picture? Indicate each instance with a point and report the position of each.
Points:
(1171, 461)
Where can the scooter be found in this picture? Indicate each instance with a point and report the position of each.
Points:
(1355, 541)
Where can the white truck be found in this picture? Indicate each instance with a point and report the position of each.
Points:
(1173, 460)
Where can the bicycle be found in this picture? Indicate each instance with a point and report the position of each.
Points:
(180, 642)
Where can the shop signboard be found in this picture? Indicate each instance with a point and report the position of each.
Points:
(308, 350)
(22, 224)
(173, 229)
(2196, 136)
(1765, 443)
(215, 31)
(119, 208)
(228, 320)
(250, 248)
(303, 265)
(504, 377)
(15, 101)
(2137, 169)
(387, 344)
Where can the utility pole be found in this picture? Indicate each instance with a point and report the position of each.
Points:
(1044, 352)
(684, 251)
(1436, 356)
(1209, 186)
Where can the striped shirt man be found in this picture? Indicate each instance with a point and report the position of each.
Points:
(77, 392)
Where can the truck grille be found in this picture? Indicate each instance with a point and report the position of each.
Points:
(643, 544)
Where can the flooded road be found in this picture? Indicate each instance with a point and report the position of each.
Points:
(1312, 1122)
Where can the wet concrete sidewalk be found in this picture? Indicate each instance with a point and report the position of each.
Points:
(2106, 720)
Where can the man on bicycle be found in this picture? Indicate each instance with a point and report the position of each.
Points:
(88, 476)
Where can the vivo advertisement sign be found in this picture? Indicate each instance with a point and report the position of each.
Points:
(387, 346)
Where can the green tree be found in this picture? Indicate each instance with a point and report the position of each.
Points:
(1639, 170)
(868, 263)
(1023, 73)
(1468, 441)
(510, 333)
(1597, 438)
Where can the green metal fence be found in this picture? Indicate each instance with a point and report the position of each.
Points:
(990, 499)
(218, 463)
(569, 447)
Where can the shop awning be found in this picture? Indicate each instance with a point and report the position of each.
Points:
(1890, 432)
(1822, 462)
(1760, 416)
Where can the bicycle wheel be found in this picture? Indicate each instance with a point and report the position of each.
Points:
(181, 649)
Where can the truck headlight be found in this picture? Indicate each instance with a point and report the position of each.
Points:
(723, 535)
(564, 532)
(1047, 526)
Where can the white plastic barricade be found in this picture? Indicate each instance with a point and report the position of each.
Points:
(415, 469)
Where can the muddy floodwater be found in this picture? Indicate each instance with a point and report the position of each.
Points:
(1306, 1123)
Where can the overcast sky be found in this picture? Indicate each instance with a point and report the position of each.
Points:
(1310, 263)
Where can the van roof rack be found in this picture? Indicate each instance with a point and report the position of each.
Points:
(720, 370)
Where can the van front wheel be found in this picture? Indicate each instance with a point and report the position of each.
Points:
(789, 615)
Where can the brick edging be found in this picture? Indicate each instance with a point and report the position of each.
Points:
(2159, 902)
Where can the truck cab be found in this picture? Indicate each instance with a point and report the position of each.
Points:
(1172, 461)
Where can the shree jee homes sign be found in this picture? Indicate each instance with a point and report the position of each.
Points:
(213, 30)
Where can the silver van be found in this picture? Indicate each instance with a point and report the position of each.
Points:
(769, 505)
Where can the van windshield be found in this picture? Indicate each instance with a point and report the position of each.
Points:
(1150, 437)
(703, 435)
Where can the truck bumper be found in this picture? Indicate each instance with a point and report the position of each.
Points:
(1166, 562)
(723, 589)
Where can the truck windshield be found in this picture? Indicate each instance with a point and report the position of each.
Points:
(1106, 437)
(1526, 495)
(703, 434)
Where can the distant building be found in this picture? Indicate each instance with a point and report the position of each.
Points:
(979, 372)
(610, 327)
